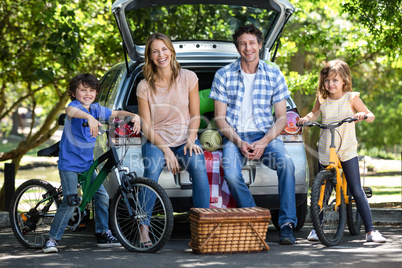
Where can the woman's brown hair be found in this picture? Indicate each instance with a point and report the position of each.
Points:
(338, 67)
(149, 68)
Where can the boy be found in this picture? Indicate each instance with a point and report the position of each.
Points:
(76, 156)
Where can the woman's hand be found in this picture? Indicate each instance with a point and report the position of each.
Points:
(191, 146)
(137, 123)
(171, 161)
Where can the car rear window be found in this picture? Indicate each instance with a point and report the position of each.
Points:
(196, 22)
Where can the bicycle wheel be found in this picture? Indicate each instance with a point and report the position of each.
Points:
(158, 217)
(32, 209)
(328, 222)
(353, 217)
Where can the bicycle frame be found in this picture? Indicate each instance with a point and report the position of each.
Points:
(335, 166)
(89, 188)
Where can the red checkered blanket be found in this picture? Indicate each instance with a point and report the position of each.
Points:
(220, 194)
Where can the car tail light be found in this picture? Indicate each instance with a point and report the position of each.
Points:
(292, 132)
(123, 134)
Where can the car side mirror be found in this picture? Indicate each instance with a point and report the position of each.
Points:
(61, 119)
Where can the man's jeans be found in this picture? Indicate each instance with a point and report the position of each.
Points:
(275, 157)
(69, 182)
(154, 162)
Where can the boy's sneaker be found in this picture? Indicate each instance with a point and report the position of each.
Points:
(312, 236)
(375, 236)
(286, 234)
(106, 240)
(50, 246)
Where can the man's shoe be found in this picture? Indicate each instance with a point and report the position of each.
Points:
(375, 236)
(286, 234)
(106, 240)
(312, 236)
(50, 246)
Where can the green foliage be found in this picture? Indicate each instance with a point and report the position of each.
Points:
(44, 43)
(380, 153)
(305, 84)
(364, 33)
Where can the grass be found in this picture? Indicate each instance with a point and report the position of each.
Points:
(10, 143)
(386, 190)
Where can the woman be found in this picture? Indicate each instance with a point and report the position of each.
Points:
(169, 105)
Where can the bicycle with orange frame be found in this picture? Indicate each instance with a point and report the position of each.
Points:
(331, 204)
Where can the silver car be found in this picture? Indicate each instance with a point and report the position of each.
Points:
(201, 32)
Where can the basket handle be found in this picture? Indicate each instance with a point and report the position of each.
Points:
(206, 240)
(259, 236)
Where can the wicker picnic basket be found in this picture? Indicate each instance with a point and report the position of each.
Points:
(229, 230)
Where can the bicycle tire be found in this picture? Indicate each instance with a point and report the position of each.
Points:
(31, 221)
(353, 217)
(331, 224)
(127, 230)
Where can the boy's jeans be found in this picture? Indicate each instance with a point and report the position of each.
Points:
(275, 157)
(69, 182)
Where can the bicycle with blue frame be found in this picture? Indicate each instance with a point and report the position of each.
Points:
(332, 205)
(35, 202)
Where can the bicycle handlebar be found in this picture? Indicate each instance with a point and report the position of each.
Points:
(109, 123)
(330, 125)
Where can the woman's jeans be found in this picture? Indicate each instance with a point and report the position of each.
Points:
(275, 157)
(154, 162)
(69, 183)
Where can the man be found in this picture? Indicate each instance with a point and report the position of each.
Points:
(244, 93)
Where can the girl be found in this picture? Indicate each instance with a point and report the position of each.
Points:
(336, 101)
(169, 105)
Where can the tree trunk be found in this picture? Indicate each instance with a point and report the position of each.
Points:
(15, 122)
(47, 129)
(305, 104)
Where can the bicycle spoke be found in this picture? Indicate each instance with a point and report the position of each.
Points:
(150, 206)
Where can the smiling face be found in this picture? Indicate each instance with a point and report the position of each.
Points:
(248, 47)
(160, 54)
(85, 95)
(334, 85)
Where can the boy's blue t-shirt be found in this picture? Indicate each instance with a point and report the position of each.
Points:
(76, 144)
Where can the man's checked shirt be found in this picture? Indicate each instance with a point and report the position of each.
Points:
(269, 88)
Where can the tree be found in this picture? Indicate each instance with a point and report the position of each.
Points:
(320, 31)
(43, 45)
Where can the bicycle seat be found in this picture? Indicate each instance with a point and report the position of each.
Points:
(52, 150)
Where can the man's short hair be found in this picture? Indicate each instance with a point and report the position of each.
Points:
(249, 29)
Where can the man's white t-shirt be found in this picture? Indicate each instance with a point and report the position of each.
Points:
(246, 118)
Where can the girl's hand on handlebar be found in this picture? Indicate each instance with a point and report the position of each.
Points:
(137, 123)
(360, 116)
(302, 121)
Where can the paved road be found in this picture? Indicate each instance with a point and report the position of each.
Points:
(79, 250)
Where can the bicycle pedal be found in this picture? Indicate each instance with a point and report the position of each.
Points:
(368, 191)
(80, 227)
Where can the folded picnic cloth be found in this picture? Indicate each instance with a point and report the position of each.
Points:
(220, 194)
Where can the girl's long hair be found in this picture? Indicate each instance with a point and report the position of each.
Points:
(338, 67)
(149, 68)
